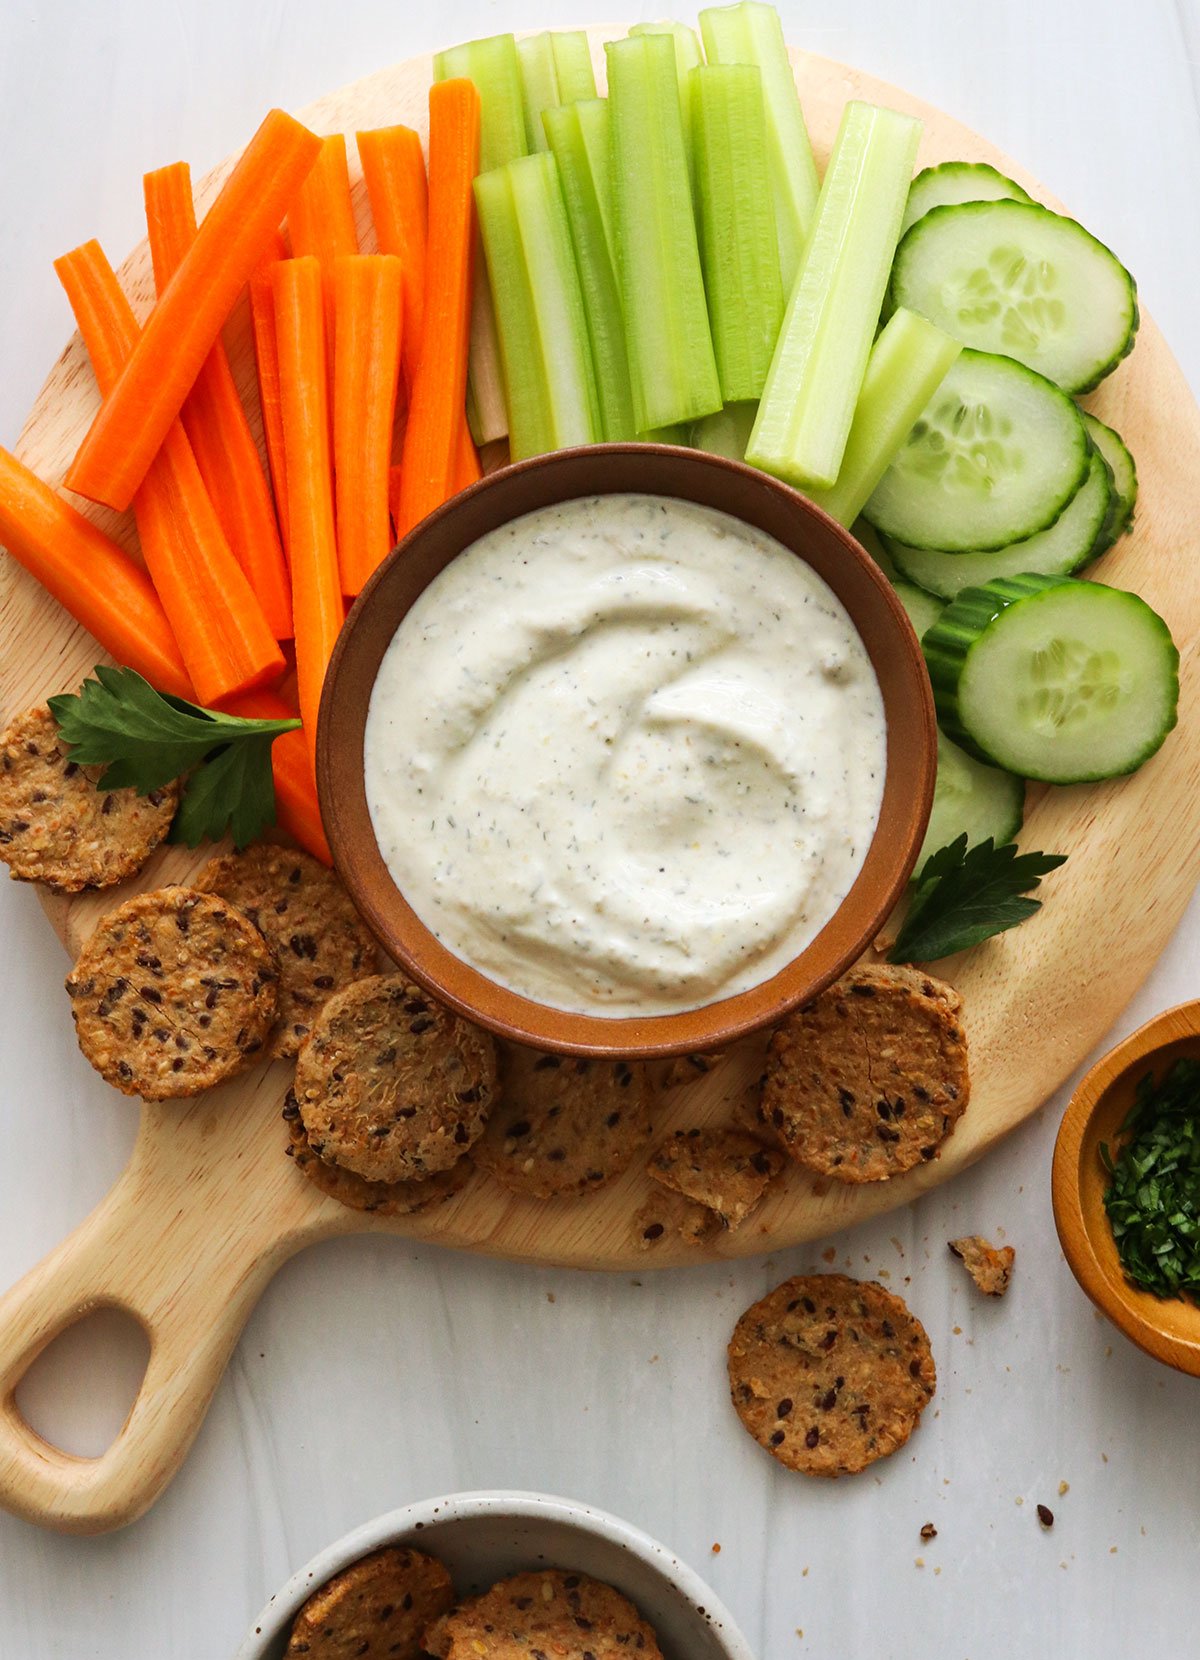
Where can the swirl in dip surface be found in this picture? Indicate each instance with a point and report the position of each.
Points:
(625, 755)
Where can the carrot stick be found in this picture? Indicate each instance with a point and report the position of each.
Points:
(431, 440)
(296, 807)
(321, 219)
(214, 419)
(266, 353)
(219, 625)
(394, 169)
(366, 370)
(184, 326)
(316, 587)
(90, 576)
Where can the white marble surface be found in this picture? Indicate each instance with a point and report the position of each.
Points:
(373, 1373)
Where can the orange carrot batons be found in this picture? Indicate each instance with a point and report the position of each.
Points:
(266, 356)
(394, 169)
(218, 623)
(321, 219)
(431, 440)
(366, 370)
(89, 576)
(214, 419)
(317, 605)
(184, 326)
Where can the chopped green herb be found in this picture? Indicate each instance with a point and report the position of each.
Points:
(964, 896)
(144, 739)
(1153, 1199)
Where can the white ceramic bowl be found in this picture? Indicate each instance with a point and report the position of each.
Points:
(481, 1537)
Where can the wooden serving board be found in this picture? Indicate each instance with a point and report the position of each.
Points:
(210, 1207)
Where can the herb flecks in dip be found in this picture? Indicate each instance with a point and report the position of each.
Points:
(626, 755)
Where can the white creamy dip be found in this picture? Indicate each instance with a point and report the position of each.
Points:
(625, 755)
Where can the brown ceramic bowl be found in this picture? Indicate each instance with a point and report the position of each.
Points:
(604, 470)
(1168, 1329)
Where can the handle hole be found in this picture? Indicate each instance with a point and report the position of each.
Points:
(78, 1393)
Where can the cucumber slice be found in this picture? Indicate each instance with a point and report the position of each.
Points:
(1124, 473)
(727, 432)
(982, 801)
(1013, 277)
(923, 610)
(870, 539)
(1067, 546)
(959, 181)
(996, 457)
(1053, 678)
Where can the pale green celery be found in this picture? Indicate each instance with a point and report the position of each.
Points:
(688, 56)
(493, 66)
(727, 432)
(908, 363)
(595, 132)
(738, 245)
(675, 434)
(573, 61)
(829, 327)
(584, 172)
(752, 33)
(544, 347)
(671, 363)
(539, 85)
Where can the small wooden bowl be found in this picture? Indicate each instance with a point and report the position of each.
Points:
(1168, 1329)
(604, 470)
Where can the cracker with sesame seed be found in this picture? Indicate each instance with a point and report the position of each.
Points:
(829, 1374)
(379, 1606)
(668, 1215)
(376, 1198)
(390, 1085)
(565, 1125)
(990, 1266)
(175, 991)
(726, 1170)
(869, 1079)
(547, 1613)
(307, 916)
(56, 827)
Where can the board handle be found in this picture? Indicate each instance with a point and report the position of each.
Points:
(189, 1286)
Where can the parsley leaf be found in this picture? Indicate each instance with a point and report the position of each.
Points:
(963, 896)
(1153, 1199)
(144, 740)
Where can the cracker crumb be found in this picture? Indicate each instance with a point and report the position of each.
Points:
(928, 1531)
(1045, 1516)
(1064, 1487)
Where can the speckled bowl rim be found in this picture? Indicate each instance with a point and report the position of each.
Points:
(396, 1526)
(744, 493)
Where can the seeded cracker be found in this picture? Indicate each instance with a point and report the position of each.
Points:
(308, 917)
(830, 1373)
(377, 1198)
(565, 1126)
(378, 1607)
(990, 1266)
(390, 1084)
(57, 827)
(727, 1170)
(667, 1214)
(174, 992)
(564, 1615)
(871, 1077)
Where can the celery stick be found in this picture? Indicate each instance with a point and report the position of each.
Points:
(675, 434)
(738, 244)
(573, 61)
(584, 173)
(688, 56)
(492, 65)
(908, 363)
(548, 376)
(727, 432)
(671, 363)
(595, 132)
(821, 358)
(752, 33)
(539, 85)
